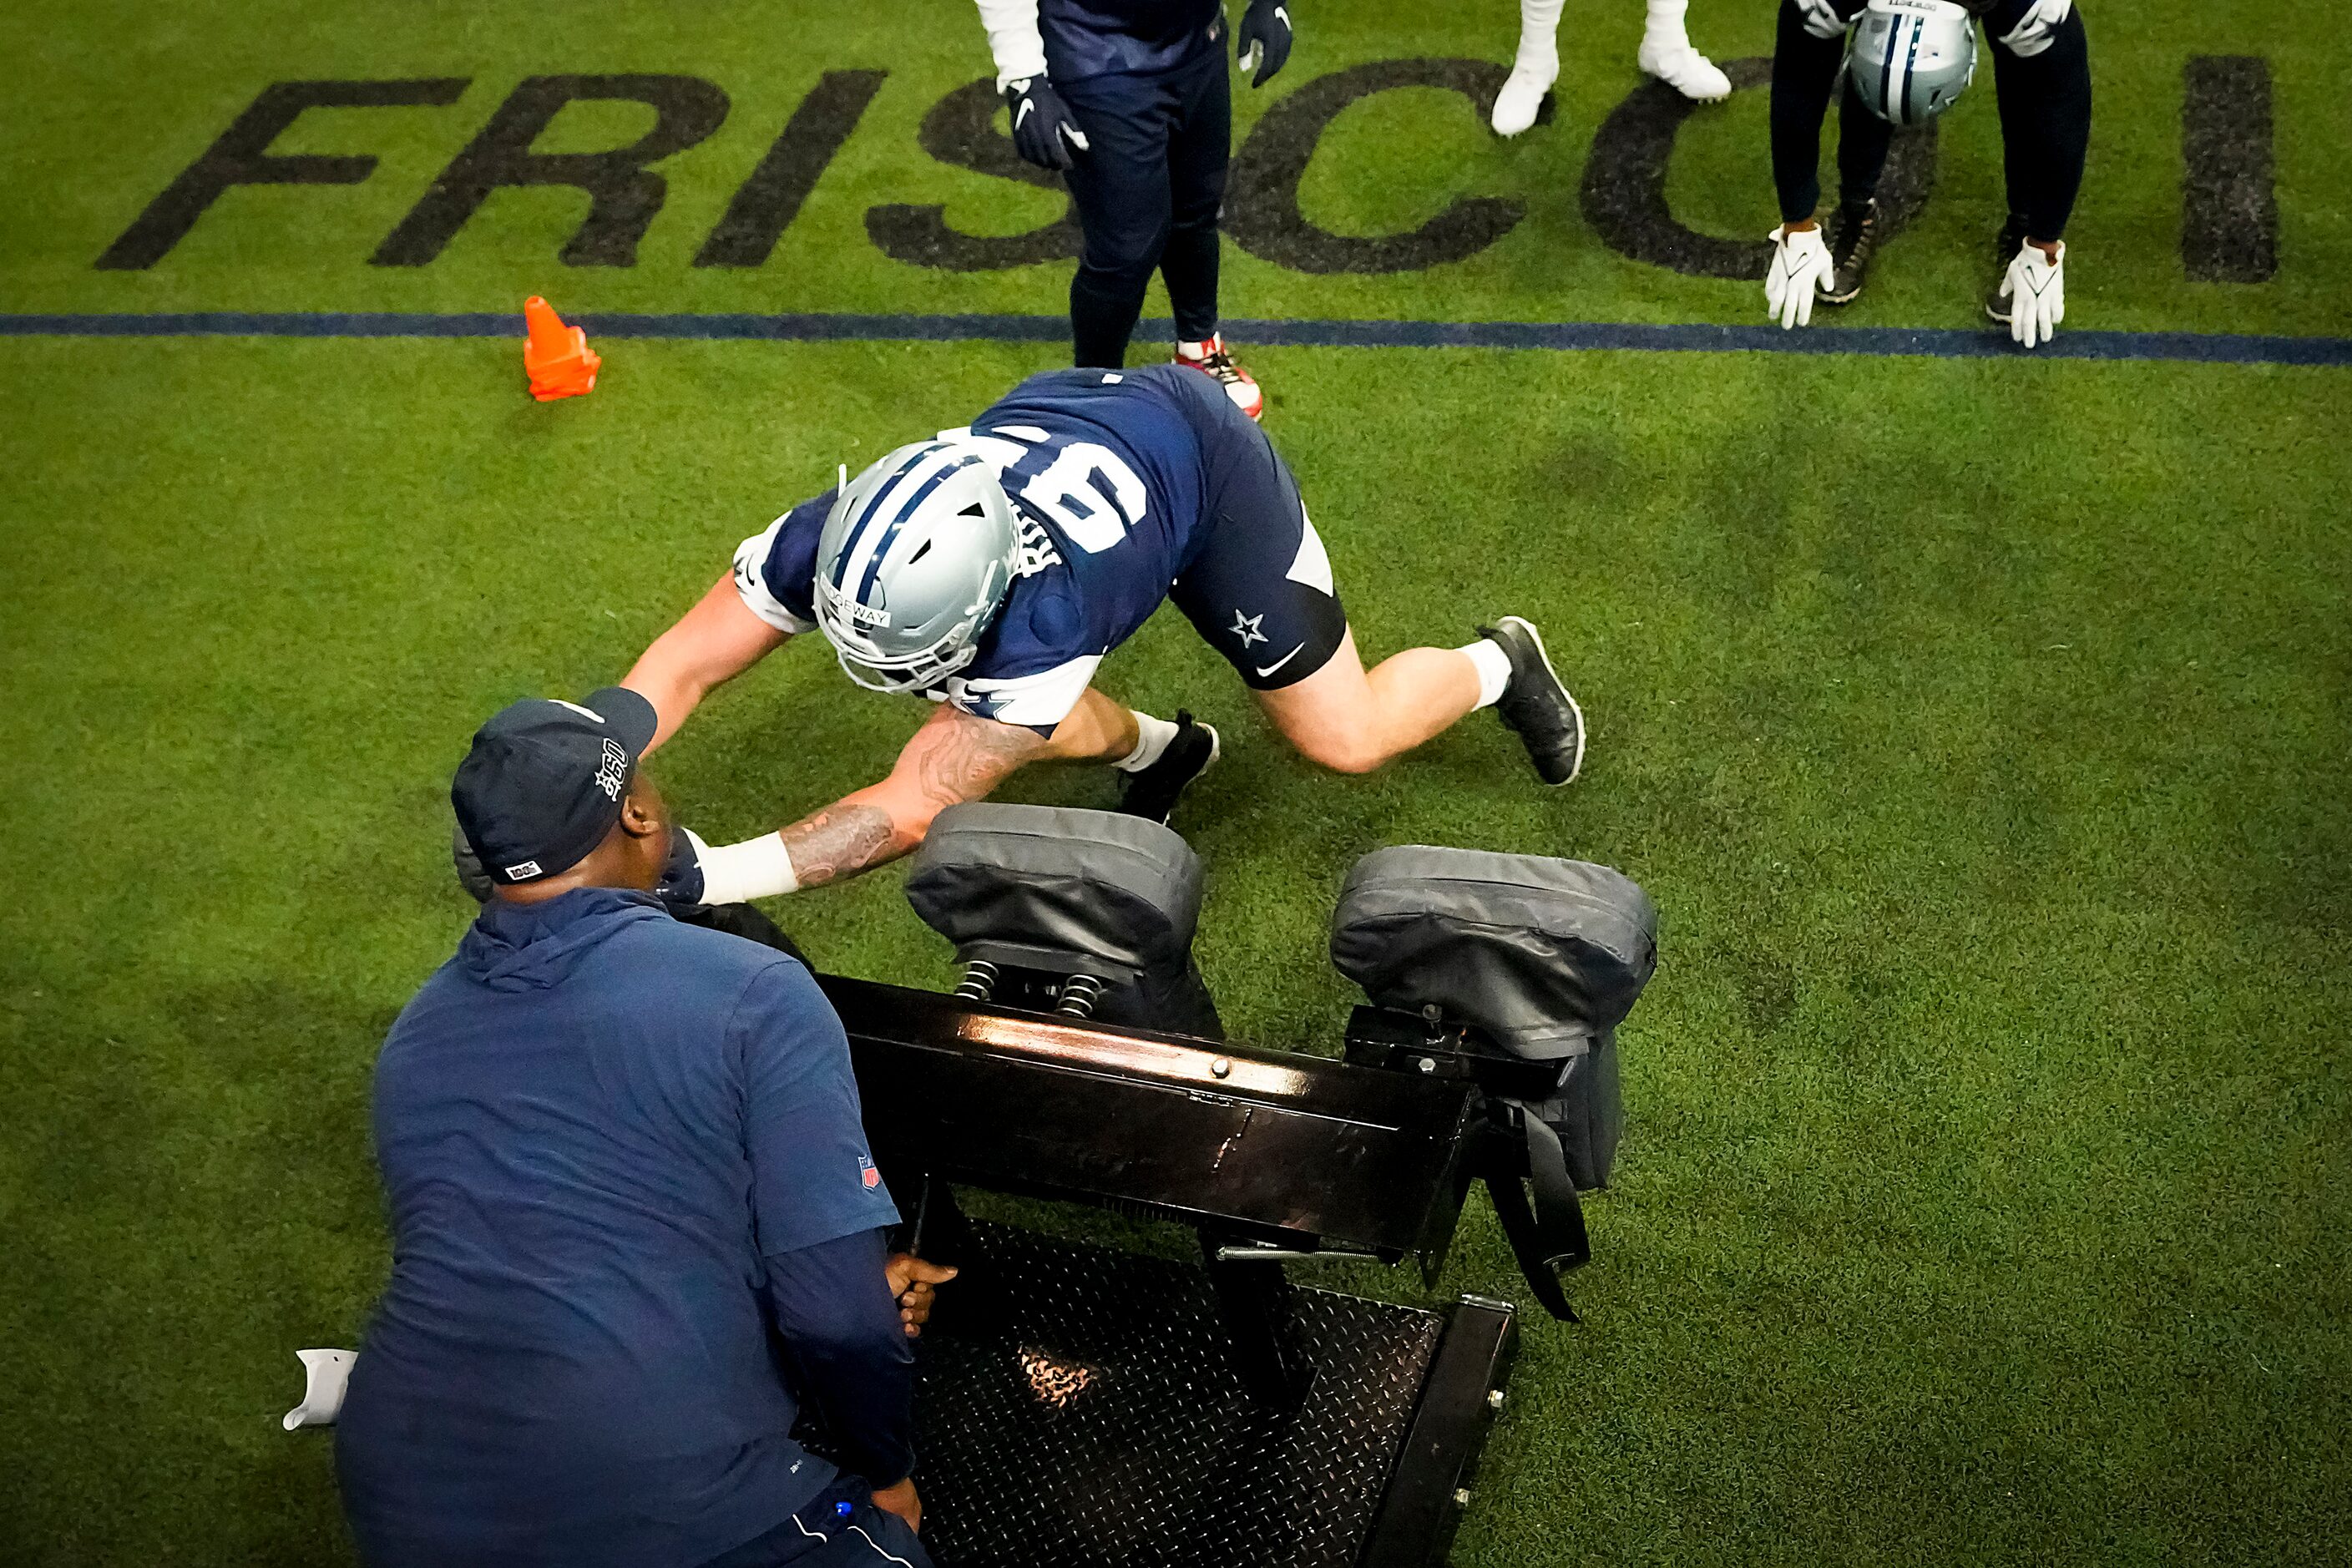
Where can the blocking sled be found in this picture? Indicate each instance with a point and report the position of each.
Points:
(1086, 1405)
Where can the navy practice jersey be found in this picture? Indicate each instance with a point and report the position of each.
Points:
(1134, 37)
(595, 1125)
(1105, 469)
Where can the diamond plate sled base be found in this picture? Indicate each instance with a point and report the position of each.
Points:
(1080, 1407)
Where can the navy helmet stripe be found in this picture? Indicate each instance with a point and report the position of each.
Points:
(905, 511)
(872, 503)
(1911, 67)
(850, 544)
(1886, 73)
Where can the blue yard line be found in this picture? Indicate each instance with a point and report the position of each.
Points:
(2206, 348)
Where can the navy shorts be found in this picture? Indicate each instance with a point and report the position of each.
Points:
(1260, 590)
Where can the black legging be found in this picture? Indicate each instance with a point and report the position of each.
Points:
(2045, 123)
(1147, 194)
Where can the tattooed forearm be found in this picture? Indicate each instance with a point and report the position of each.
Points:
(842, 840)
(960, 758)
(953, 757)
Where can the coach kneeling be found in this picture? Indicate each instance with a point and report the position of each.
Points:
(617, 1150)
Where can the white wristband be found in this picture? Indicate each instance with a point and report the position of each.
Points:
(757, 867)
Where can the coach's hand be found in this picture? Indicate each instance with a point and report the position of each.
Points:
(1801, 266)
(1262, 41)
(912, 1281)
(1043, 131)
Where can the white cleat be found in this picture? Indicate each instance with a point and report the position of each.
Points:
(1685, 70)
(1522, 96)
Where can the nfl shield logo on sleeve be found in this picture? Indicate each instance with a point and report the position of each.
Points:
(867, 1172)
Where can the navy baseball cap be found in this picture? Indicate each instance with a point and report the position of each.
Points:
(545, 782)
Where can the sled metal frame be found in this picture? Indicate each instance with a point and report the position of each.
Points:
(1269, 1156)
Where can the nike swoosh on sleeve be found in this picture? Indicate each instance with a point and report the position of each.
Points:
(1278, 663)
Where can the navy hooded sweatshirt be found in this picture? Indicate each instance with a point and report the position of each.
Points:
(614, 1147)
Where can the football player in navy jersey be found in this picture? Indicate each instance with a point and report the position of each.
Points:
(1907, 61)
(993, 568)
(1129, 99)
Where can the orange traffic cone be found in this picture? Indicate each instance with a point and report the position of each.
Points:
(556, 357)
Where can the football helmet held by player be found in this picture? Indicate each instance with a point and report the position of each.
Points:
(1910, 59)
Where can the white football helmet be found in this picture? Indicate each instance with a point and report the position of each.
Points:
(1910, 59)
(914, 560)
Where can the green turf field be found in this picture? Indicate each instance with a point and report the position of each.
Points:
(1980, 728)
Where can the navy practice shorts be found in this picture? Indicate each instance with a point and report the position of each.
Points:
(1260, 590)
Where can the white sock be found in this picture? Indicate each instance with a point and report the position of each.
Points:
(1664, 29)
(1151, 738)
(756, 869)
(1539, 34)
(1493, 667)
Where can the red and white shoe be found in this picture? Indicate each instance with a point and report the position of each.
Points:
(1210, 358)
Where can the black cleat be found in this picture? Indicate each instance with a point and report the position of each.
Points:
(1537, 704)
(1153, 791)
(1851, 248)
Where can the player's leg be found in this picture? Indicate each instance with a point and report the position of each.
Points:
(1200, 152)
(1667, 54)
(1804, 74)
(1864, 142)
(1199, 149)
(1260, 591)
(2044, 97)
(1097, 730)
(1805, 69)
(1533, 70)
(1159, 757)
(1119, 190)
(1351, 719)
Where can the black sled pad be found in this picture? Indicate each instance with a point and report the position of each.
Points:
(1546, 956)
(1041, 894)
(1055, 888)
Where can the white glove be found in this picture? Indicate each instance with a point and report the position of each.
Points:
(2036, 27)
(2036, 292)
(1821, 17)
(1800, 269)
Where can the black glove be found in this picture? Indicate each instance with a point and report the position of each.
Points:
(681, 878)
(1043, 131)
(1263, 40)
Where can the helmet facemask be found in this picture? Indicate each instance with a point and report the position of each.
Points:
(920, 671)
